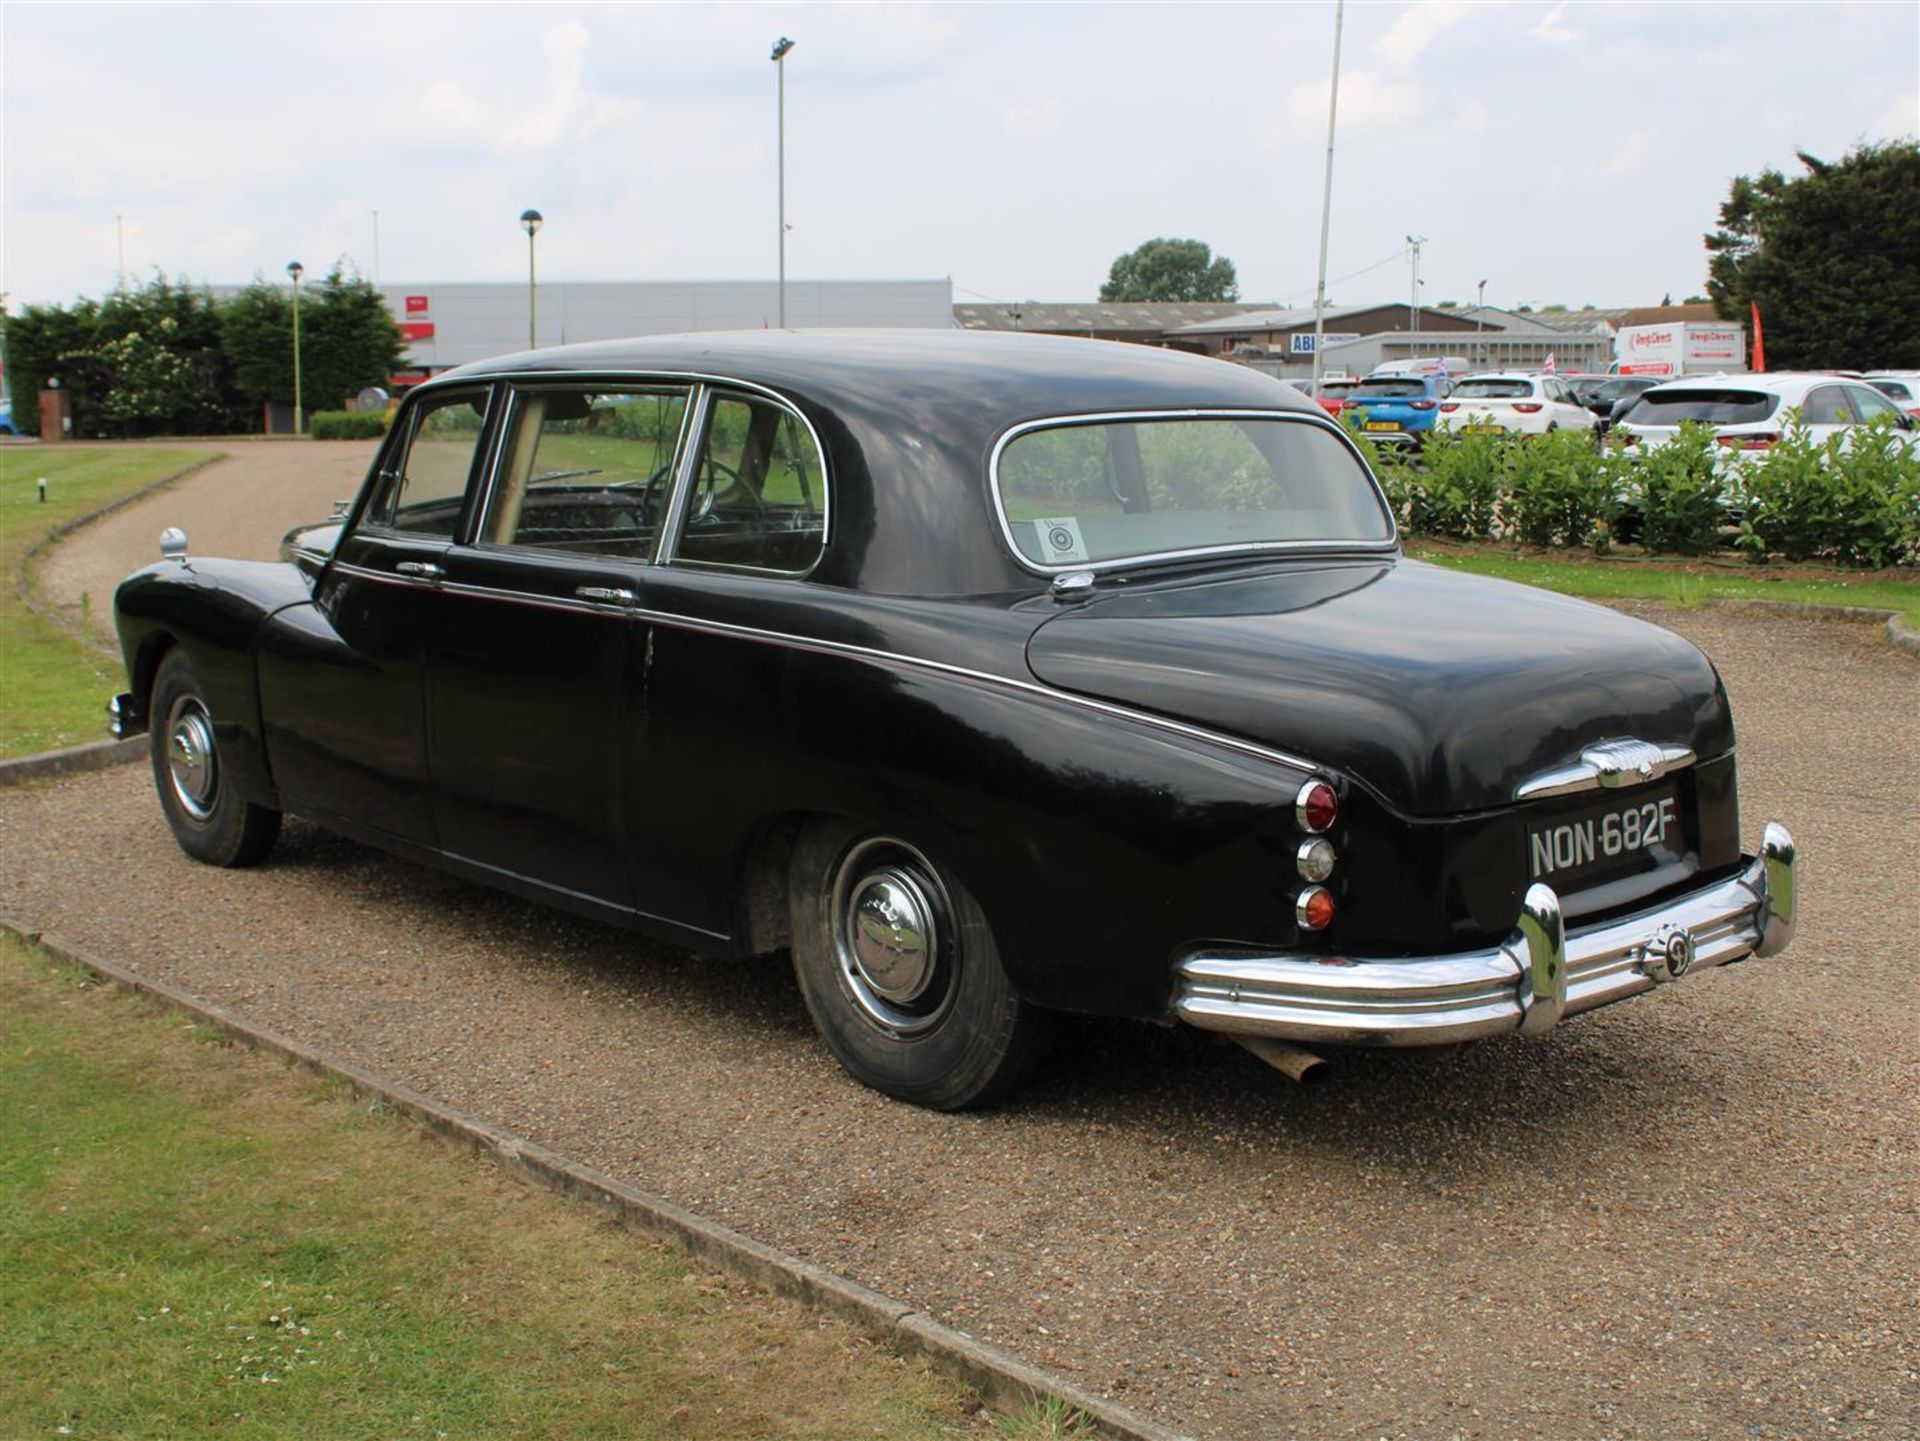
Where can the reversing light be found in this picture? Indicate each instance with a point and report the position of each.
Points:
(1315, 806)
(1315, 859)
(1314, 909)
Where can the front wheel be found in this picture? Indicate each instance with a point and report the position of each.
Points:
(208, 818)
(901, 974)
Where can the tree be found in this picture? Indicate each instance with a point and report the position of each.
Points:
(1171, 270)
(1832, 258)
(348, 340)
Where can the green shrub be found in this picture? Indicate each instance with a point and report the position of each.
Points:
(1461, 486)
(1854, 499)
(1680, 488)
(1560, 490)
(348, 424)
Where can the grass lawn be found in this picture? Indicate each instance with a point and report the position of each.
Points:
(1676, 581)
(53, 689)
(197, 1240)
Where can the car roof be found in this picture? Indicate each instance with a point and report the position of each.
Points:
(1507, 375)
(909, 419)
(1790, 384)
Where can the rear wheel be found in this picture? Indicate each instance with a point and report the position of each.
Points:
(901, 974)
(208, 818)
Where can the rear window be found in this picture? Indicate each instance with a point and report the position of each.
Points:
(1132, 489)
(1387, 389)
(1716, 406)
(1334, 389)
(1897, 389)
(1493, 390)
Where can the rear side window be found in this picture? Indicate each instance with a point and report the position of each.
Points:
(1827, 405)
(1716, 406)
(1493, 390)
(423, 494)
(758, 500)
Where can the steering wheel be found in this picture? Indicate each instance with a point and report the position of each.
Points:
(719, 483)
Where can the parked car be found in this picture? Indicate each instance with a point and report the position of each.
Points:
(1398, 409)
(1902, 387)
(1752, 412)
(1334, 391)
(993, 676)
(1608, 396)
(1514, 403)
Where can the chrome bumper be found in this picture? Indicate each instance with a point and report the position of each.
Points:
(125, 717)
(1538, 975)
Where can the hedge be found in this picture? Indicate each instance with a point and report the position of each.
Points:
(348, 424)
(1851, 500)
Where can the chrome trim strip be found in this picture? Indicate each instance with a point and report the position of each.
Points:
(671, 621)
(1605, 765)
(1527, 983)
(1279, 547)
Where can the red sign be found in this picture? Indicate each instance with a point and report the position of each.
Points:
(417, 329)
(417, 306)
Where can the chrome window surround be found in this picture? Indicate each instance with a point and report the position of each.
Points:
(671, 620)
(362, 516)
(1109, 417)
(696, 439)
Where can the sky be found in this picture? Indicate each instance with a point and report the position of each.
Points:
(1563, 152)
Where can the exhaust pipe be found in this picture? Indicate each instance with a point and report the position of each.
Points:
(1302, 1066)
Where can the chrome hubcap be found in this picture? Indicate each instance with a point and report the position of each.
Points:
(892, 936)
(192, 765)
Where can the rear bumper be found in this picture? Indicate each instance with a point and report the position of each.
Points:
(1527, 983)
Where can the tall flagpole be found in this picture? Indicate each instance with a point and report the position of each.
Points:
(1326, 208)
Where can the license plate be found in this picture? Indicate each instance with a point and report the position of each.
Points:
(1382, 425)
(1485, 429)
(1620, 835)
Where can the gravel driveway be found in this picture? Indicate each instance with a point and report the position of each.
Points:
(1697, 1214)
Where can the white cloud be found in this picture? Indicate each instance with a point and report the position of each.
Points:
(1368, 103)
(1627, 156)
(1408, 38)
(1033, 120)
(1552, 31)
(1902, 117)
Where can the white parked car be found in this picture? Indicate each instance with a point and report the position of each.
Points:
(1516, 403)
(1902, 387)
(1752, 412)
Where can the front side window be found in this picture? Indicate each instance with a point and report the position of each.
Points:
(759, 494)
(1134, 489)
(1870, 404)
(424, 493)
(587, 470)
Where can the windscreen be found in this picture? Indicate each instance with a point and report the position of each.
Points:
(1493, 390)
(1133, 489)
(1711, 406)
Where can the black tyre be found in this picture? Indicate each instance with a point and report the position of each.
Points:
(901, 973)
(209, 819)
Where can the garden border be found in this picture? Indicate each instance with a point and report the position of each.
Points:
(1004, 1381)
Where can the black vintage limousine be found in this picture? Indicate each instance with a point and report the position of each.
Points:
(992, 676)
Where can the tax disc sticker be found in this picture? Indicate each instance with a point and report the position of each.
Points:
(1060, 540)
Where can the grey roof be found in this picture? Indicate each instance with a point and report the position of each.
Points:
(1145, 316)
(1295, 317)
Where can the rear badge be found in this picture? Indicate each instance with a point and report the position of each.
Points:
(1670, 954)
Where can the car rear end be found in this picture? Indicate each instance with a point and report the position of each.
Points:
(1496, 405)
(1743, 416)
(1396, 409)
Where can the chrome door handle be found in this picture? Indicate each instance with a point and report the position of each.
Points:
(605, 594)
(423, 568)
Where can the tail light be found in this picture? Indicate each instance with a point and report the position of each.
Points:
(1315, 806)
(1423, 405)
(1765, 440)
(1449, 405)
(1314, 909)
(1527, 407)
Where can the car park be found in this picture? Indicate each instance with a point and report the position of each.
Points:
(1902, 387)
(990, 676)
(1754, 412)
(1397, 409)
(1513, 403)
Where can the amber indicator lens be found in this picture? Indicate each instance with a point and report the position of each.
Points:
(1315, 909)
(1316, 806)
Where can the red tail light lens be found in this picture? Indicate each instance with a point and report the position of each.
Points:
(1423, 405)
(1314, 909)
(1449, 405)
(1316, 806)
(1527, 407)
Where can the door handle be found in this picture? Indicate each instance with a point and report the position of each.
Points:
(426, 569)
(605, 594)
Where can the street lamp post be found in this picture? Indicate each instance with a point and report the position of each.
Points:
(296, 270)
(1326, 207)
(779, 58)
(531, 221)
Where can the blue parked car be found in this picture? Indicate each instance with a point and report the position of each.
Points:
(1397, 409)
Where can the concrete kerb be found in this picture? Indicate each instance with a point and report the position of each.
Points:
(1897, 633)
(1005, 1382)
(72, 761)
